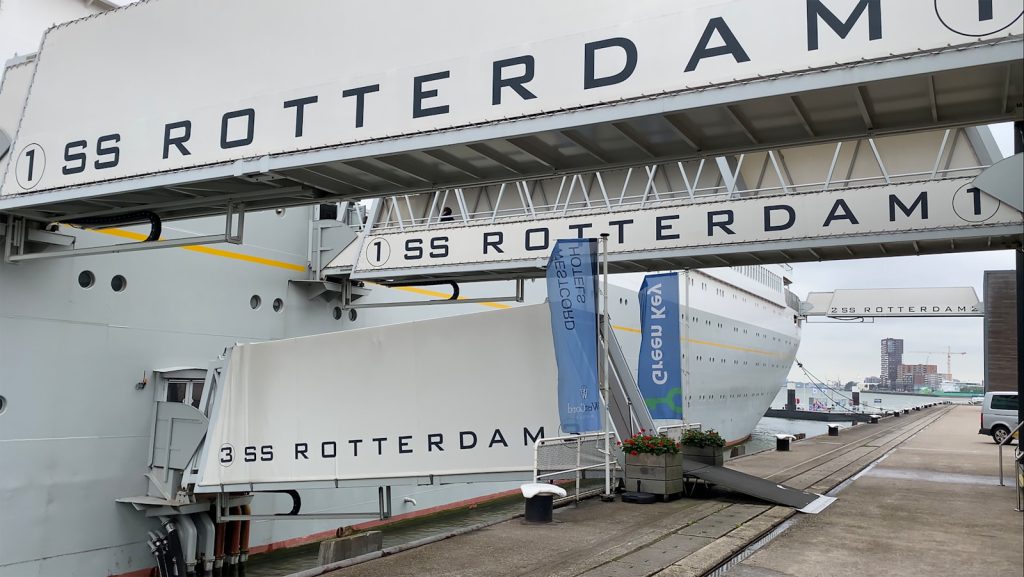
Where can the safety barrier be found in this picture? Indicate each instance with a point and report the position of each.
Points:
(576, 458)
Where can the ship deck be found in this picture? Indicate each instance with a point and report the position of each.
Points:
(907, 475)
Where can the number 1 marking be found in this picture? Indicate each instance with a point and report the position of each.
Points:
(976, 192)
(984, 10)
(31, 154)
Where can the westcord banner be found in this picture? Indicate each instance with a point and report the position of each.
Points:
(572, 297)
(660, 373)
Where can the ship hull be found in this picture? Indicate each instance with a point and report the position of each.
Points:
(74, 435)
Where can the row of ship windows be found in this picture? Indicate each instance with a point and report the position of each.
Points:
(722, 360)
(721, 292)
(733, 396)
(707, 322)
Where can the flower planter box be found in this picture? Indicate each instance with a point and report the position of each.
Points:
(707, 455)
(658, 474)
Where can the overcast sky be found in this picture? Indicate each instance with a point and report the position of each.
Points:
(850, 351)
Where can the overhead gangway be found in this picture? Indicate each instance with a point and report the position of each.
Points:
(887, 196)
(586, 87)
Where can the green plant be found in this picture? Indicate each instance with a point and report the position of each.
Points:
(699, 438)
(645, 443)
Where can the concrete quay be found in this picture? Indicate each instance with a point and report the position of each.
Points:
(932, 506)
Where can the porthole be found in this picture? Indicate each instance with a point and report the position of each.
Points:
(278, 305)
(336, 313)
(3, 404)
(118, 283)
(255, 301)
(279, 212)
(86, 279)
(352, 315)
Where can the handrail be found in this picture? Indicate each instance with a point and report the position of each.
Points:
(1008, 438)
(578, 441)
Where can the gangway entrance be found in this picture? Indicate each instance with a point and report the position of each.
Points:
(887, 196)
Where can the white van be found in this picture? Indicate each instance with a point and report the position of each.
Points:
(998, 414)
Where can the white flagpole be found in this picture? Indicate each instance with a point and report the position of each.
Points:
(605, 327)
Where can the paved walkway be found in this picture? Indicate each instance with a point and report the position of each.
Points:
(885, 517)
(933, 507)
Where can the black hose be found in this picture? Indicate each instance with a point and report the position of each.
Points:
(161, 557)
(155, 224)
(296, 501)
(161, 567)
(177, 560)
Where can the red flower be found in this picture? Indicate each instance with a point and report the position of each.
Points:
(634, 453)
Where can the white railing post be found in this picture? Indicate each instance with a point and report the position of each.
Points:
(605, 326)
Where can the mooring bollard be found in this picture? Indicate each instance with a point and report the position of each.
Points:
(874, 419)
(895, 413)
(540, 499)
(782, 442)
(833, 430)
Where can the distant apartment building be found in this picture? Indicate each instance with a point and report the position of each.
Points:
(913, 377)
(892, 358)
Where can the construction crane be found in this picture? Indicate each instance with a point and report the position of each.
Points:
(949, 357)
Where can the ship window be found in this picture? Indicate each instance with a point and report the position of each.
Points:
(3, 404)
(278, 305)
(336, 313)
(255, 301)
(86, 279)
(197, 392)
(352, 315)
(118, 283)
(179, 391)
(176, 391)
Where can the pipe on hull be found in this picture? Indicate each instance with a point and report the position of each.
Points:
(205, 542)
(188, 537)
(220, 537)
(243, 545)
(234, 537)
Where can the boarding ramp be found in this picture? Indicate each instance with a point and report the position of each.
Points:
(880, 196)
(412, 403)
(894, 302)
(763, 489)
(590, 86)
(626, 405)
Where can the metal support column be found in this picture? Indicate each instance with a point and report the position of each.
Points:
(606, 328)
(1018, 148)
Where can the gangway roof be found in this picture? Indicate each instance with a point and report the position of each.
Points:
(366, 104)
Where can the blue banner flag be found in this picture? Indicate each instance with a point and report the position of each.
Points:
(659, 371)
(572, 296)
